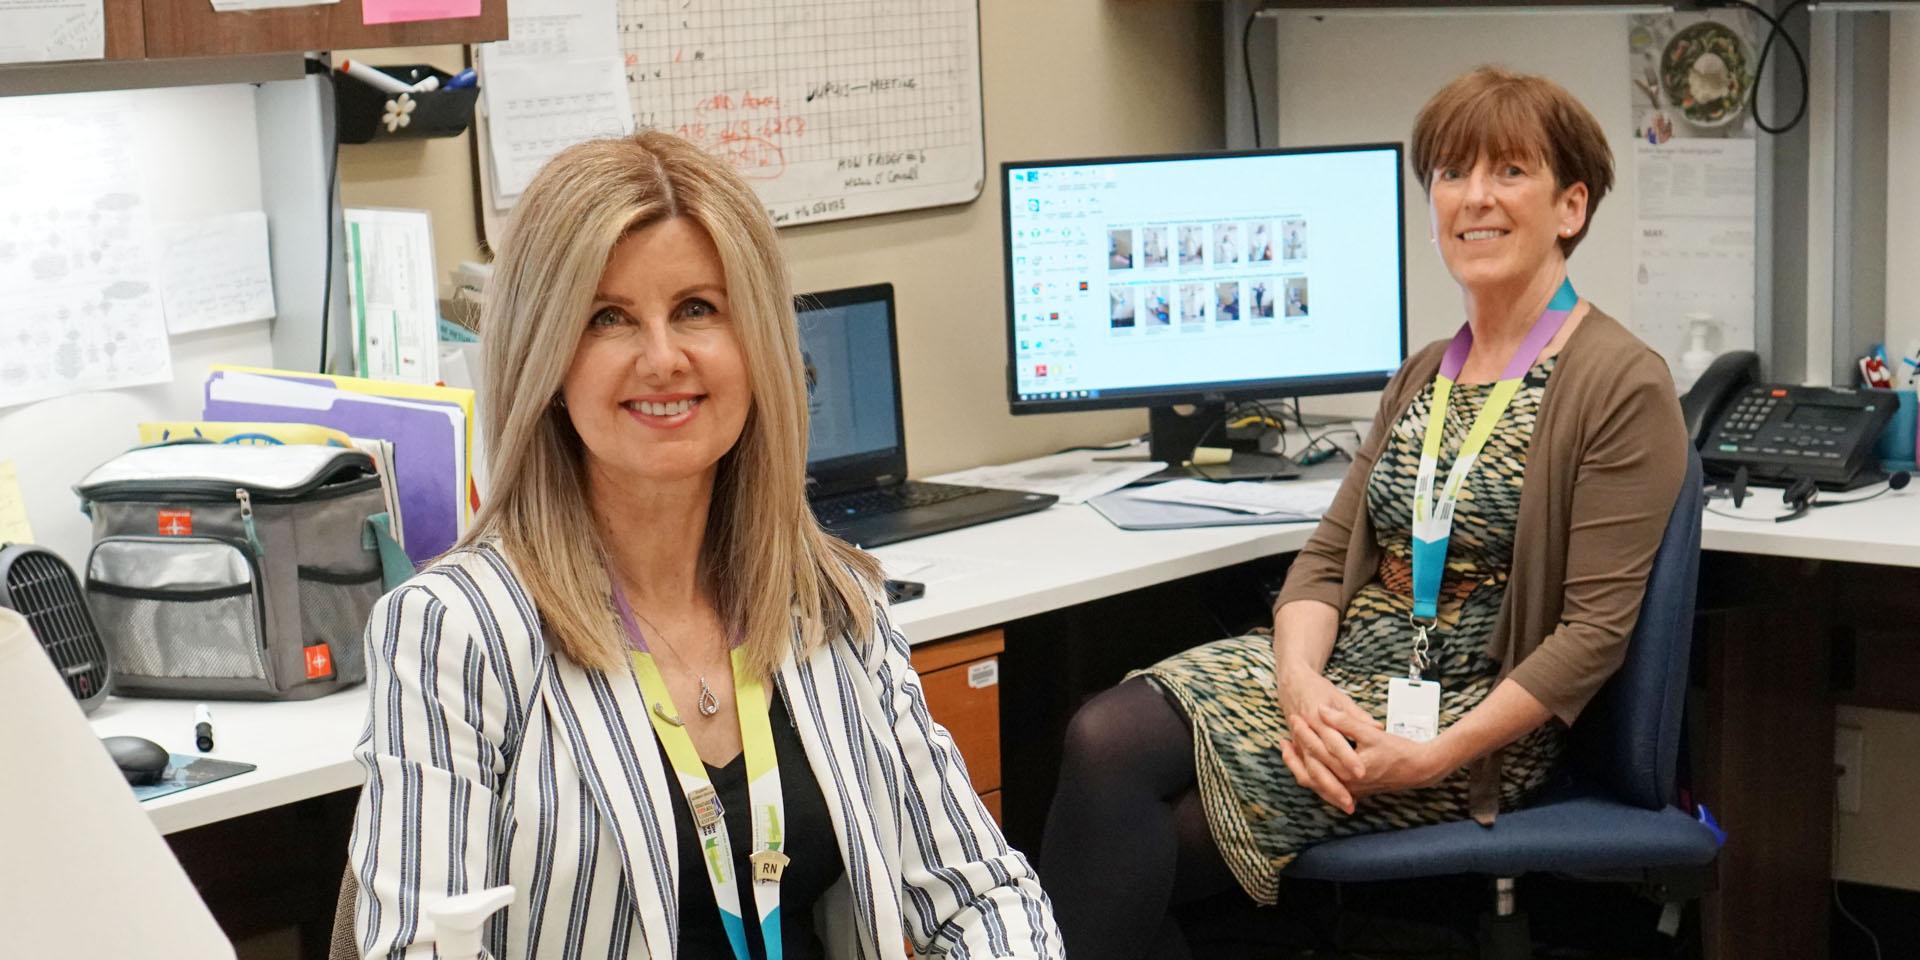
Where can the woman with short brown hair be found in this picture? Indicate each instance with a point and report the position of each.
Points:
(1454, 610)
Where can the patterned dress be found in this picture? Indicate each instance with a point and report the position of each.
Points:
(1259, 815)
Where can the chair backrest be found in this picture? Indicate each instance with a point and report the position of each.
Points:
(75, 846)
(1627, 740)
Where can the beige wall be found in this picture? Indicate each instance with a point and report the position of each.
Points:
(1060, 78)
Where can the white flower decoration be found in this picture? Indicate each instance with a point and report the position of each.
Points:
(398, 110)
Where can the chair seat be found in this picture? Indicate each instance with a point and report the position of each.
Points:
(1586, 836)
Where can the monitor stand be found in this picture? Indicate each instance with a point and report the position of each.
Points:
(1172, 437)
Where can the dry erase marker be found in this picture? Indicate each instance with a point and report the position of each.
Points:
(429, 85)
(374, 78)
(202, 728)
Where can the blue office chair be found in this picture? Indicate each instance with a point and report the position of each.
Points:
(1609, 812)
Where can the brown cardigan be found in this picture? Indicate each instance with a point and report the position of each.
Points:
(1604, 467)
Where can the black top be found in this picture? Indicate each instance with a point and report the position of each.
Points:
(810, 844)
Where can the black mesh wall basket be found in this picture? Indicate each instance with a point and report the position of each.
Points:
(40, 585)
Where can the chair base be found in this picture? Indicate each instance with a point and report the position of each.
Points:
(1505, 937)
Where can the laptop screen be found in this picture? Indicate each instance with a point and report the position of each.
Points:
(846, 340)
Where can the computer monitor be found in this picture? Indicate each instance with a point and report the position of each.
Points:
(1152, 281)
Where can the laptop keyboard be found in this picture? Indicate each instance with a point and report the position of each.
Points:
(867, 503)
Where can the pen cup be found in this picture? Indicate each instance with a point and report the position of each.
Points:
(1897, 441)
(361, 110)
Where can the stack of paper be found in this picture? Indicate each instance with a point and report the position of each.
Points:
(1074, 477)
(1293, 500)
(421, 435)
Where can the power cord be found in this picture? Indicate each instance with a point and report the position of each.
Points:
(1246, 67)
(326, 218)
(1776, 29)
(1842, 907)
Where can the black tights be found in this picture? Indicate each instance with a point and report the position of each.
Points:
(1127, 839)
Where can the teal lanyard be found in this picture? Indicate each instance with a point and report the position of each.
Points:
(1433, 515)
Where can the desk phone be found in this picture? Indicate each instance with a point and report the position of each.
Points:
(1781, 432)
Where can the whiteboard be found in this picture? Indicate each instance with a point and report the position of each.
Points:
(829, 108)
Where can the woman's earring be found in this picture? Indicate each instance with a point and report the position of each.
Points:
(559, 402)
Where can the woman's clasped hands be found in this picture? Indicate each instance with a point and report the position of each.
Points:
(1342, 753)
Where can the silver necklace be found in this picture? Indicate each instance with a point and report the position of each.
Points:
(706, 702)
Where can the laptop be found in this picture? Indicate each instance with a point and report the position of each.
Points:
(857, 442)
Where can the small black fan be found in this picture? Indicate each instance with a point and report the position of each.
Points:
(41, 586)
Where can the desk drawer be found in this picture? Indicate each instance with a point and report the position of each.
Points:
(961, 677)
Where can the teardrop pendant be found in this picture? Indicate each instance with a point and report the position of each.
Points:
(708, 703)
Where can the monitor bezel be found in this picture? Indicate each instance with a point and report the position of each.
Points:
(1194, 393)
(858, 470)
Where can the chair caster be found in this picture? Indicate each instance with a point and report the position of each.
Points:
(1505, 937)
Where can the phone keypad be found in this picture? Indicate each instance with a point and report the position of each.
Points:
(1745, 429)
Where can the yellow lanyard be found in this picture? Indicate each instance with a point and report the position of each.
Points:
(703, 802)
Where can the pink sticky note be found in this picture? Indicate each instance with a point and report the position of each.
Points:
(405, 11)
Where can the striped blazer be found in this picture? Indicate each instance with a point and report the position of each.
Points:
(490, 760)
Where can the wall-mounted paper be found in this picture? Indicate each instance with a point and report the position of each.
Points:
(13, 507)
(1694, 167)
(542, 31)
(536, 110)
(215, 272)
(390, 279)
(405, 11)
(32, 31)
(82, 302)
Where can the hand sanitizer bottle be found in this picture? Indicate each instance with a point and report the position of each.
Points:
(1698, 358)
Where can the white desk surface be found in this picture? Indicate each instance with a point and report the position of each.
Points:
(1883, 531)
(976, 578)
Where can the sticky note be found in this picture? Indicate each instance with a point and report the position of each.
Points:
(13, 508)
(403, 11)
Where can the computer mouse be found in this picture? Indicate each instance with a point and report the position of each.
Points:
(141, 760)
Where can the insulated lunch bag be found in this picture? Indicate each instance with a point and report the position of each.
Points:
(234, 571)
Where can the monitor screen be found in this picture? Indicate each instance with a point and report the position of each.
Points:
(1142, 281)
(846, 344)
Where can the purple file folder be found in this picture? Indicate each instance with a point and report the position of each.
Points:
(425, 460)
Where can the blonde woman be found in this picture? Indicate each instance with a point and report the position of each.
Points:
(646, 690)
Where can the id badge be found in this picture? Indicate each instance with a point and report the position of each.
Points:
(1413, 708)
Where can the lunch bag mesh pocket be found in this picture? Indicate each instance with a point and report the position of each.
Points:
(201, 633)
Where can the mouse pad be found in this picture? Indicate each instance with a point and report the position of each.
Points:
(186, 771)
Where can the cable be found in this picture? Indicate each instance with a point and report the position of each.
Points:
(1842, 907)
(1104, 447)
(1246, 67)
(1736, 516)
(333, 177)
(1776, 28)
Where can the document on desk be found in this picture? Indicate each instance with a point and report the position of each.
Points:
(35, 31)
(82, 298)
(1294, 499)
(394, 294)
(1074, 477)
(215, 272)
